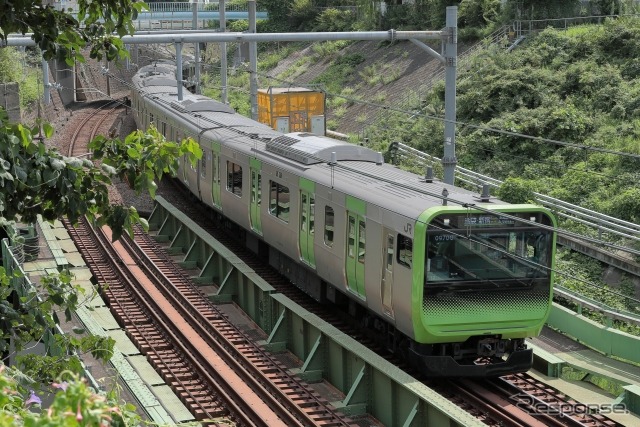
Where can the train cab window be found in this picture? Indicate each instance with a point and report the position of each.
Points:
(234, 178)
(279, 201)
(328, 226)
(405, 250)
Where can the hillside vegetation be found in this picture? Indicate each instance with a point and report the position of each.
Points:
(578, 86)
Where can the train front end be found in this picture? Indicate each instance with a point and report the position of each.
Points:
(482, 283)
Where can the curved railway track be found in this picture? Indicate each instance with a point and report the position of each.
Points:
(215, 369)
(94, 122)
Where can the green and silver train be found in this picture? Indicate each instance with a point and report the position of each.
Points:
(456, 283)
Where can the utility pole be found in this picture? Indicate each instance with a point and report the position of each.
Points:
(449, 159)
(196, 50)
(223, 52)
(253, 61)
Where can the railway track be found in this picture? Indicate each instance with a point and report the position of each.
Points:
(95, 122)
(492, 401)
(214, 367)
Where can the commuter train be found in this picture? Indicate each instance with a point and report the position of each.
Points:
(456, 283)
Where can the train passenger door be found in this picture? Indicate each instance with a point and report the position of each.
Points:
(307, 222)
(256, 196)
(356, 246)
(386, 289)
(215, 175)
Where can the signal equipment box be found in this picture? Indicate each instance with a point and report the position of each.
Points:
(292, 109)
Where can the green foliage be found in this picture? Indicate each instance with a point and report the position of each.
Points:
(478, 13)
(18, 67)
(279, 11)
(59, 34)
(302, 15)
(74, 404)
(339, 72)
(30, 87)
(626, 205)
(329, 48)
(516, 190)
(335, 20)
(144, 156)
(10, 65)
(541, 9)
(238, 26)
(39, 181)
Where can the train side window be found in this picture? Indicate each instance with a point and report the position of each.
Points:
(164, 129)
(328, 226)
(307, 210)
(351, 244)
(279, 201)
(234, 178)
(361, 241)
(150, 118)
(405, 250)
(214, 169)
(203, 164)
(256, 190)
(390, 252)
(303, 212)
(312, 214)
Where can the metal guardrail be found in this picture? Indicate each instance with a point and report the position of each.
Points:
(183, 6)
(587, 217)
(599, 222)
(610, 313)
(526, 27)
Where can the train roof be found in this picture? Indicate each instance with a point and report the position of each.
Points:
(358, 171)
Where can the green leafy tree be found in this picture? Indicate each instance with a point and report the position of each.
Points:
(38, 180)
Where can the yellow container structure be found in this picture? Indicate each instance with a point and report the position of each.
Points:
(292, 109)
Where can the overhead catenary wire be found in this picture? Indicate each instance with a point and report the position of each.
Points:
(558, 230)
(469, 206)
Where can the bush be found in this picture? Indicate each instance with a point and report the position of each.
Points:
(516, 190)
(10, 65)
(335, 20)
(302, 15)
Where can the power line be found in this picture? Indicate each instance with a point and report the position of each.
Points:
(465, 124)
(470, 206)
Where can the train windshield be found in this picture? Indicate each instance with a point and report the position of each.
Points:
(488, 248)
